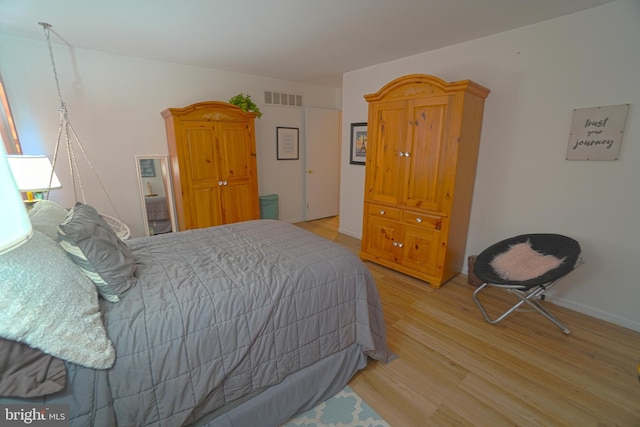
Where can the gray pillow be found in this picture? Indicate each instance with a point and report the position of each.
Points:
(45, 217)
(48, 303)
(27, 372)
(96, 249)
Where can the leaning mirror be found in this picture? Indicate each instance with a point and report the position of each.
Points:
(158, 211)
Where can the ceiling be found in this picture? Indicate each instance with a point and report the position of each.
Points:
(309, 41)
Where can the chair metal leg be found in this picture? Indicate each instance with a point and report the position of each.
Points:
(484, 312)
(533, 301)
(531, 298)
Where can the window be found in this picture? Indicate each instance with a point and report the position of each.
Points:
(7, 127)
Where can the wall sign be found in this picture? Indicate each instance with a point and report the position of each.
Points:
(288, 143)
(596, 133)
(147, 168)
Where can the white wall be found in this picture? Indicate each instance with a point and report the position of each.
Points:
(114, 104)
(537, 76)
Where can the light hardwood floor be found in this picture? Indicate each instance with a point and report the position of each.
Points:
(454, 369)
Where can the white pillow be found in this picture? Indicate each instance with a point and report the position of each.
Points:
(521, 262)
(45, 216)
(48, 303)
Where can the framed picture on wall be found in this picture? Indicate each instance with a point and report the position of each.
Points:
(147, 168)
(287, 143)
(358, 144)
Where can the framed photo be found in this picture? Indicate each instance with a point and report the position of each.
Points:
(358, 144)
(147, 168)
(287, 143)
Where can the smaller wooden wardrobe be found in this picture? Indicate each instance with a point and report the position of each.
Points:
(213, 164)
(423, 138)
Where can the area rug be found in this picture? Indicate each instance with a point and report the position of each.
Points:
(345, 409)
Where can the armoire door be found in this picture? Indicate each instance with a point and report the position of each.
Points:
(385, 158)
(201, 189)
(237, 173)
(425, 158)
(421, 238)
(382, 239)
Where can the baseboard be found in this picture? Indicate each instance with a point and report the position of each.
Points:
(598, 314)
(355, 235)
(293, 221)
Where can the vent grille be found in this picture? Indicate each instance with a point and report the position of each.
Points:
(281, 98)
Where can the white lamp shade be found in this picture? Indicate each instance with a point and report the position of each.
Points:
(33, 173)
(15, 227)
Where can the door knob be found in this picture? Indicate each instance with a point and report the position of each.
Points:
(309, 171)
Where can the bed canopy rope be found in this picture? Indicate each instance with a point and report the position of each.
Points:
(65, 127)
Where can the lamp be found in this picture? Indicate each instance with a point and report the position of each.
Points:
(15, 227)
(33, 174)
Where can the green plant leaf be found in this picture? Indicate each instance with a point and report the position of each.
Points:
(244, 101)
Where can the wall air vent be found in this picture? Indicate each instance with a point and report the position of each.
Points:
(280, 98)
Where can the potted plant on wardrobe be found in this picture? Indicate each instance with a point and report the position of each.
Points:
(244, 101)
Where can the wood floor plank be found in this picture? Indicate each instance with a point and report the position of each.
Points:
(456, 369)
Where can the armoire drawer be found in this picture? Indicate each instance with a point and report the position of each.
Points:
(422, 220)
(383, 211)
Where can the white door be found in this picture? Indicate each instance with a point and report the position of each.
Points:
(322, 162)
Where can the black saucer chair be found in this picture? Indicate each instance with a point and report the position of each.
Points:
(529, 291)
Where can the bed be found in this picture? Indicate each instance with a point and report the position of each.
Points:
(158, 214)
(244, 324)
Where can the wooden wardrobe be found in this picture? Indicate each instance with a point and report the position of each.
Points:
(213, 164)
(423, 138)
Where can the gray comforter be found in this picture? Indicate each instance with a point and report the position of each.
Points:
(222, 313)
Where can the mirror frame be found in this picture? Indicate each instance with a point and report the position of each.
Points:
(164, 171)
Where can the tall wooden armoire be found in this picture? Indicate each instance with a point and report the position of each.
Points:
(423, 139)
(213, 164)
